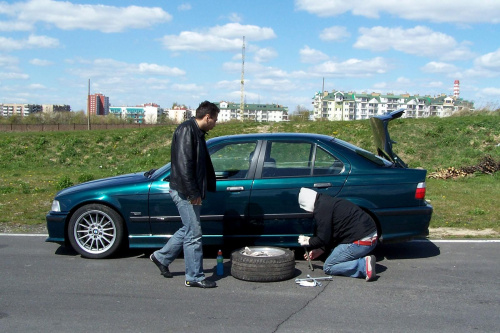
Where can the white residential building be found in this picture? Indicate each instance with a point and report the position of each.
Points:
(256, 112)
(339, 105)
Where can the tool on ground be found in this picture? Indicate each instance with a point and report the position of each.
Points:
(309, 259)
(312, 282)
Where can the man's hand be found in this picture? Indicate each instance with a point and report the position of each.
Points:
(304, 240)
(314, 254)
(196, 201)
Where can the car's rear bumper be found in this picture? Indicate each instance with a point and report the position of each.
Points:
(55, 225)
(400, 224)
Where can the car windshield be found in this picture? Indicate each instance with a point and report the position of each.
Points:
(160, 171)
(365, 153)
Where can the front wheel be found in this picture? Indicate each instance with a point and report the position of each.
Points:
(96, 231)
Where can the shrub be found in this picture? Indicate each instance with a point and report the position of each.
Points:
(85, 177)
(64, 182)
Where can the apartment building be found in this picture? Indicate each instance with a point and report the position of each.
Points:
(21, 110)
(141, 114)
(178, 113)
(98, 104)
(338, 105)
(256, 112)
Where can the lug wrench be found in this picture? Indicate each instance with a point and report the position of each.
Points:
(309, 259)
(309, 278)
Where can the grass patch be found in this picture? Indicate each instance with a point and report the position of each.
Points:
(470, 202)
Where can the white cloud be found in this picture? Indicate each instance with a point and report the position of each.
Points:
(352, 68)
(439, 67)
(273, 84)
(13, 76)
(40, 62)
(15, 26)
(6, 61)
(335, 33)
(455, 11)
(234, 17)
(380, 85)
(434, 84)
(236, 30)
(154, 69)
(110, 69)
(265, 55)
(489, 61)
(33, 41)
(420, 41)
(485, 66)
(42, 42)
(403, 80)
(186, 87)
(184, 7)
(69, 16)
(228, 37)
(490, 91)
(308, 55)
(37, 86)
(194, 41)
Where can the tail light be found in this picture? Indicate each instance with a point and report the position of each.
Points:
(420, 192)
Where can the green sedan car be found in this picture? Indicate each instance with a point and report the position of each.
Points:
(258, 181)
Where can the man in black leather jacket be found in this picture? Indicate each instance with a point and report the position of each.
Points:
(191, 176)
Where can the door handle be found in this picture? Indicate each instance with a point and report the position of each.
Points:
(322, 185)
(235, 188)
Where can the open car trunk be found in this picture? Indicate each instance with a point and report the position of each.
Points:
(381, 137)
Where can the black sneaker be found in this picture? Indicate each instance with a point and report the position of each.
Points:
(163, 269)
(202, 284)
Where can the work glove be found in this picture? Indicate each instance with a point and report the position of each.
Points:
(304, 240)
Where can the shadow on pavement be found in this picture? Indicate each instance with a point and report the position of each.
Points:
(407, 250)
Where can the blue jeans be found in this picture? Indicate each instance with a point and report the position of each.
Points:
(187, 238)
(348, 260)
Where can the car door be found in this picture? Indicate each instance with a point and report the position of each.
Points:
(223, 212)
(284, 166)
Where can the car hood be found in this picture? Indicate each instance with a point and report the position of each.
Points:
(381, 137)
(131, 178)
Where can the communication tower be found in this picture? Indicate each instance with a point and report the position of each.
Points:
(242, 100)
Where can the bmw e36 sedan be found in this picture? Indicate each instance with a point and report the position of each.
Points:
(259, 177)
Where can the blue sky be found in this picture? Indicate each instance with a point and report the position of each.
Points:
(164, 52)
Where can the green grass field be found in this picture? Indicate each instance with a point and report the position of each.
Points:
(36, 165)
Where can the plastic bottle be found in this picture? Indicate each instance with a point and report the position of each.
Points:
(220, 263)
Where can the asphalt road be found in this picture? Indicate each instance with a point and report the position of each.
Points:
(422, 287)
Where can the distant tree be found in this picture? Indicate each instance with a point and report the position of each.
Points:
(14, 119)
(300, 114)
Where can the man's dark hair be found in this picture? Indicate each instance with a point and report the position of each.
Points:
(205, 108)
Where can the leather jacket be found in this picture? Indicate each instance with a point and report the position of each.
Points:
(339, 221)
(192, 172)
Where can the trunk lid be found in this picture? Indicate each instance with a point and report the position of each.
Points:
(381, 137)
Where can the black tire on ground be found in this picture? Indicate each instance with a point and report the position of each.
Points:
(96, 231)
(278, 265)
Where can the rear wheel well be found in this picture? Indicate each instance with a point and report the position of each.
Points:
(377, 222)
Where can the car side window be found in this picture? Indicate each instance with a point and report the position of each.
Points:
(232, 161)
(288, 159)
(327, 164)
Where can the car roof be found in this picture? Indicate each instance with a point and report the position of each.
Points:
(274, 136)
